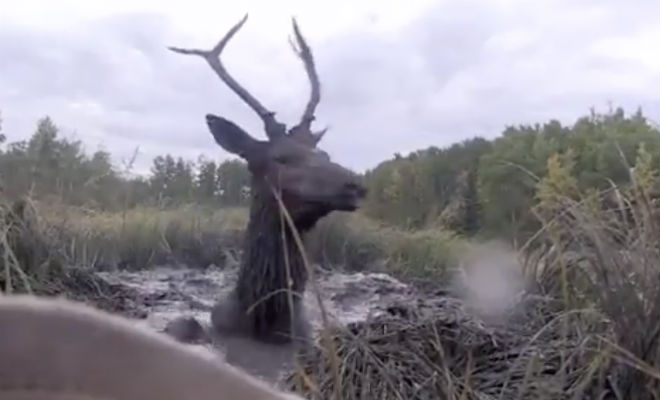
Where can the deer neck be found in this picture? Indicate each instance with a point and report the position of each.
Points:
(271, 259)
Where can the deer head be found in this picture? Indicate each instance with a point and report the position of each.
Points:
(310, 184)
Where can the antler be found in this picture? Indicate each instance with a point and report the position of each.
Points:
(302, 131)
(273, 128)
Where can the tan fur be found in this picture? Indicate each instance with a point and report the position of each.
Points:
(56, 349)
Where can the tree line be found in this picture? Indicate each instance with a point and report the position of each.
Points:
(50, 167)
(489, 186)
(475, 186)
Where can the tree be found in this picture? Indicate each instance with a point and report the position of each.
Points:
(206, 181)
(42, 157)
(233, 180)
(101, 181)
(162, 174)
(3, 138)
(472, 217)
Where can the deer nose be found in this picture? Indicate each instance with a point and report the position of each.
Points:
(210, 118)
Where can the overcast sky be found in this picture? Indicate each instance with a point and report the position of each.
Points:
(396, 75)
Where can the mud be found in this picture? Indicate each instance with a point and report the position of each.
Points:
(174, 298)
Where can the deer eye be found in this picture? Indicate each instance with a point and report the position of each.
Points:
(283, 159)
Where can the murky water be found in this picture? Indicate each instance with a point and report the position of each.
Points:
(172, 292)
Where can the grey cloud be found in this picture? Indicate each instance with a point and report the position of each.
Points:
(459, 70)
(112, 82)
(464, 89)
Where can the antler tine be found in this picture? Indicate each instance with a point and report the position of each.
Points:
(317, 136)
(305, 54)
(273, 128)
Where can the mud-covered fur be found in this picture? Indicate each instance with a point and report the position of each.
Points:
(56, 349)
(262, 280)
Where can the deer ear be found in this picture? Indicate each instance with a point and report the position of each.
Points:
(230, 136)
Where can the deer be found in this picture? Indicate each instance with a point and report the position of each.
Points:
(293, 185)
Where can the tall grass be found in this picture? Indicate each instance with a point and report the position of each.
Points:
(42, 238)
(600, 252)
(143, 237)
(355, 242)
(42, 245)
